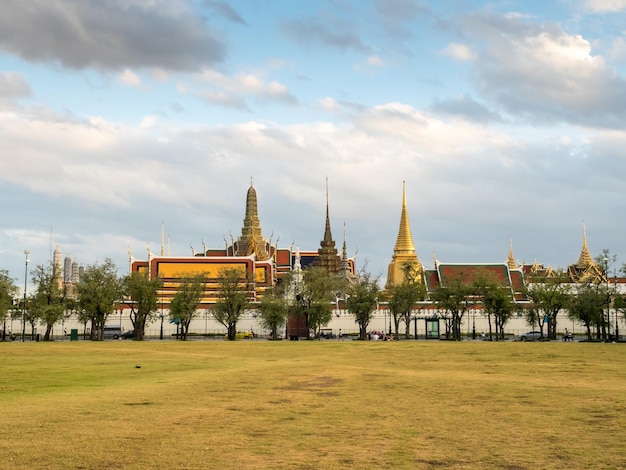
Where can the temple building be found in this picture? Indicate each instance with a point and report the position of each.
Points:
(586, 269)
(510, 273)
(262, 263)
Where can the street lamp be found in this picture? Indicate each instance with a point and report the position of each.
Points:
(473, 323)
(608, 299)
(26, 252)
(616, 316)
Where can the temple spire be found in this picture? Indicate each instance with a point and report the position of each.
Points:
(511, 259)
(327, 253)
(328, 237)
(404, 242)
(251, 240)
(585, 257)
(404, 249)
(346, 272)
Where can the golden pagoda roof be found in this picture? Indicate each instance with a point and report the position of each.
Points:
(404, 243)
(511, 259)
(404, 250)
(585, 258)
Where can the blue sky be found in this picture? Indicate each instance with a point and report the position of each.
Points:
(504, 118)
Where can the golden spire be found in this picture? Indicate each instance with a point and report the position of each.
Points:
(404, 243)
(404, 250)
(511, 259)
(585, 259)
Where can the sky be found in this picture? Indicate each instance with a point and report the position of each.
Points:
(122, 117)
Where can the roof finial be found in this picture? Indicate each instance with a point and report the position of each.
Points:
(162, 238)
(327, 194)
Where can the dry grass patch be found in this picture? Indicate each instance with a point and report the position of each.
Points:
(301, 405)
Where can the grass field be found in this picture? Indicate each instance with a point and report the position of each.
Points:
(310, 404)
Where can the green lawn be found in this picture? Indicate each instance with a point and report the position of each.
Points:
(312, 404)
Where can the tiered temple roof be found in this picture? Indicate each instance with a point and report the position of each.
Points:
(586, 269)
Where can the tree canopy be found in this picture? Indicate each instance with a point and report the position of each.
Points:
(454, 299)
(315, 295)
(8, 291)
(402, 297)
(48, 302)
(99, 291)
(548, 296)
(184, 304)
(233, 299)
(362, 299)
(273, 310)
(142, 293)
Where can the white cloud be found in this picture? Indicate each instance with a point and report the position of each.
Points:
(233, 91)
(605, 6)
(330, 104)
(147, 122)
(459, 51)
(539, 72)
(129, 77)
(375, 61)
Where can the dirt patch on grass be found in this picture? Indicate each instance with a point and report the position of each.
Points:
(316, 384)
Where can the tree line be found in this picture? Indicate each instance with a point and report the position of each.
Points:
(310, 297)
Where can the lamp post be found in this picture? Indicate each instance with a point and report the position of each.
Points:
(608, 299)
(616, 316)
(473, 323)
(26, 252)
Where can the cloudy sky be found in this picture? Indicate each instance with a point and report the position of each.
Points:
(505, 118)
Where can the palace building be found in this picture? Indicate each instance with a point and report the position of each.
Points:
(262, 263)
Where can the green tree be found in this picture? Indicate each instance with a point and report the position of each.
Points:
(320, 315)
(48, 302)
(99, 290)
(547, 296)
(586, 305)
(8, 291)
(273, 312)
(454, 298)
(402, 298)
(143, 294)
(185, 302)
(497, 300)
(315, 297)
(233, 299)
(362, 299)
